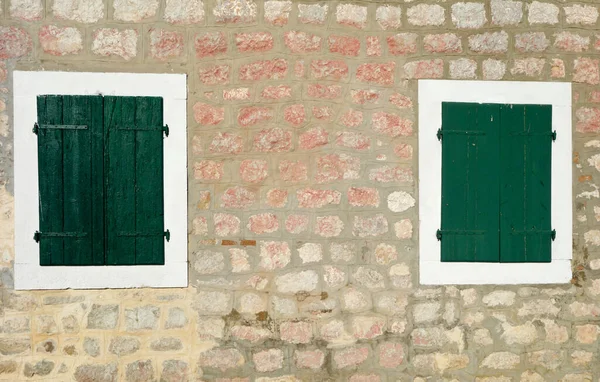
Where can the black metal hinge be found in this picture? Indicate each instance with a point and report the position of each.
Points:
(37, 236)
(527, 134)
(37, 127)
(457, 232)
(440, 133)
(166, 234)
(164, 129)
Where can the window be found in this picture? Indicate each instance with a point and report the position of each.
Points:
(100, 192)
(494, 187)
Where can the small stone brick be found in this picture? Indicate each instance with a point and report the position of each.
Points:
(309, 359)
(295, 282)
(60, 41)
(542, 13)
(363, 197)
(571, 42)
(114, 42)
(214, 74)
(426, 15)
(403, 150)
(401, 101)
(391, 125)
(254, 170)
(299, 69)
(402, 43)
(364, 96)
(586, 70)
(184, 11)
(463, 68)
(373, 46)
(296, 224)
(208, 170)
(313, 198)
(276, 92)
(493, 69)
(324, 91)
(468, 15)
(273, 140)
(365, 226)
(263, 223)
(277, 198)
(388, 17)
(442, 43)
(166, 45)
(264, 70)
(345, 45)
(26, 10)
(581, 14)
(530, 67)
(293, 171)
(356, 141)
(210, 44)
(294, 114)
(368, 327)
(208, 115)
(226, 225)
(337, 167)
(329, 226)
(277, 12)
(296, 332)
(312, 13)
(424, 69)
(221, 359)
(400, 201)
(324, 113)
(134, 10)
(506, 12)
(489, 43)
(14, 42)
(83, 11)
(588, 120)
(531, 42)
(403, 229)
(352, 118)
(254, 41)
(350, 357)
(268, 360)
(313, 138)
(235, 11)
(391, 355)
(382, 74)
(329, 69)
(238, 198)
(302, 42)
(250, 116)
(351, 15)
(237, 94)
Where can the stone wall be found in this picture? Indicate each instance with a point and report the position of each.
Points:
(303, 213)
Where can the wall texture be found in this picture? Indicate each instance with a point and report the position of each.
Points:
(303, 212)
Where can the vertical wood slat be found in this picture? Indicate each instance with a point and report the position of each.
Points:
(470, 185)
(526, 183)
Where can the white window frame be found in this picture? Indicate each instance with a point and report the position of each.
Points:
(431, 95)
(28, 272)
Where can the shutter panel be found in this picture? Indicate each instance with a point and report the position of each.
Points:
(470, 186)
(526, 148)
(134, 200)
(70, 180)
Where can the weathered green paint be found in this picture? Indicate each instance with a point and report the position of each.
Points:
(525, 194)
(470, 186)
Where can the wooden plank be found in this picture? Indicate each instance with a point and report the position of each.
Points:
(119, 119)
(526, 146)
(149, 205)
(96, 126)
(470, 188)
(50, 169)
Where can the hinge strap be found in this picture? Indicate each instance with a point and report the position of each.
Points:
(164, 129)
(37, 236)
(526, 134)
(440, 133)
(166, 234)
(37, 127)
(534, 232)
(457, 232)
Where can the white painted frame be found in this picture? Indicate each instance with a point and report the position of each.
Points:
(431, 95)
(28, 272)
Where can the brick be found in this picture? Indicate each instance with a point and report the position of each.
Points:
(59, 41)
(489, 43)
(426, 15)
(276, 92)
(400, 201)
(310, 253)
(252, 115)
(295, 282)
(302, 42)
(542, 13)
(391, 125)
(350, 357)
(324, 91)
(249, 333)
(501, 360)
(468, 15)
(184, 11)
(299, 69)
(268, 360)
(254, 42)
(273, 140)
(345, 45)
(14, 42)
(329, 69)
(337, 167)
(277, 12)
(402, 43)
(226, 143)
(263, 223)
(351, 15)
(296, 224)
(586, 70)
(391, 355)
(587, 334)
(313, 138)
(442, 43)
(324, 113)
(200, 226)
(210, 44)
(388, 17)
(166, 45)
(403, 150)
(382, 74)
(208, 262)
(571, 42)
(581, 14)
(134, 10)
(493, 69)
(238, 198)
(329, 226)
(388, 174)
(296, 332)
(424, 69)
(114, 42)
(363, 197)
(254, 170)
(208, 115)
(531, 42)
(364, 96)
(506, 12)
(26, 10)
(221, 359)
(400, 101)
(352, 140)
(235, 11)
(277, 198)
(83, 11)
(274, 255)
(237, 94)
(264, 70)
(214, 74)
(309, 359)
(463, 68)
(530, 67)
(368, 327)
(365, 226)
(588, 120)
(312, 13)
(403, 229)
(373, 46)
(293, 171)
(294, 114)
(208, 170)
(3, 72)
(313, 198)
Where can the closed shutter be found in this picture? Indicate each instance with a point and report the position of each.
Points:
(70, 180)
(526, 146)
(470, 184)
(134, 180)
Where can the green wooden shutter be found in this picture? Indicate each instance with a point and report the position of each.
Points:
(526, 147)
(470, 185)
(134, 180)
(70, 170)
